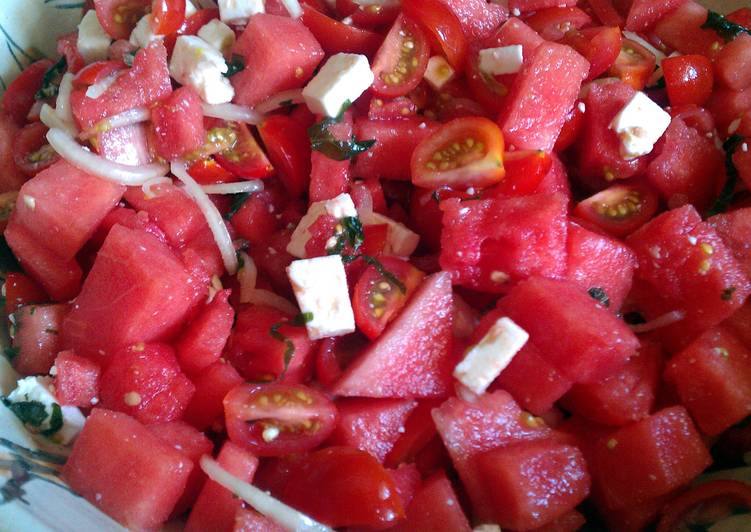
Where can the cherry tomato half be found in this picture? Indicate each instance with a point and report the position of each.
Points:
(634, 65)
(704, 505)
(688, 79)
(168, 15)
(20, 290)
(208, 172)
(370, 16)
(465, 152)
(119, 17)
(335, 36)
(442, 24)
(377, 299)
(31, 152)
(286, 141)
(244, 157)
(525, 170)
(18, 98)
(401, 60)
(741, 16)
(621, 209)
(489, 90)
(335, 354)
(599, 46)
(278, 419)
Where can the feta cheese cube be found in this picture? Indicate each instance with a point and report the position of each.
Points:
(639, 125)
(502, 60)
(400, 240)
(342, 79)
(190, 8)
(143, 33)
(38, 389)
(218, 35)
(239, 11)
(487, 359)
(339, 207)
(320, 287)
(93, 42)
(439, 72)
(196, 63)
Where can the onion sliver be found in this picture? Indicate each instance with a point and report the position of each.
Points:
(151, 183)
(126, 118)
(240, 187)
(213, 217)
(261, 501)
(232, 113)
(275, 102)
(259, 296)
(293, 8)
(659, 322)
(62, 105)
(247, 276)
(70, 150)
(49, 118)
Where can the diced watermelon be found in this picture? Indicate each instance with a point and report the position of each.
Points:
(371, 425)
(125, 145)
(191, 443)
(127, 218)
(556, 180)
(412, 358)
(740, 323)
(419, 430)
(76, 380)
(36, 337)
(733, 62)
(727, 105)
(542, 95)
(124, 470)
(435, 507)
(145, 83)
(644, 14)
(531, 484)
(216, 507)
(515, 31)
(478, 18)
(467, 429)
(11, 177)
(206, 408)
(46, 201)
(137, 291)
(280, 53)
(582, 339)
(329, 178)
(681, 30)
(171, 209)
(201, 257)
(178, 124)
(145, 382)
(492, 244)
(60, 279)
(204, 338)
(606, 13)
(734, 228)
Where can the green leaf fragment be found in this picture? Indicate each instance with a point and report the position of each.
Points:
(725, 28)
(725, 198)
(599, 295)
(51, 80)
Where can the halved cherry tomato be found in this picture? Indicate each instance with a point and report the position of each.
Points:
(553, 22)
(462, 153)
(286, 141)
(335, 354)
(244, 157)
(634, 65)
(190, 26)
(95, 72)
(370, 16)
(395, 109)
(621, 209)
(440, 22)
(688, 79)
(600, 46)
(336, 37)
(525, 170)
(119, 17)
(7, 204)
(31, 152)
(278, 419)
(377, 299)
(572, 127)
(168, 15)
(704, 505)
(19, 96)
(20, 290)
(208, 172)
(401, 60)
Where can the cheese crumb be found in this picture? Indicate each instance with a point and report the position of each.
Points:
(501, 60)
(639, 125)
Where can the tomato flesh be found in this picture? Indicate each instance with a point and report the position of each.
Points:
(401, 60)
(443, 25)
(278, 419)
(33, 153)
(634, 65)
(119, 17)
(621, 209)
(241, 155)
(525, 170)
(464, 152)
(688, 79)
(20, 290)
(168, 15)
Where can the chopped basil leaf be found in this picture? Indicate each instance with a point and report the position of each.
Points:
(725, 28)
(352, 234)
(727, 294)
(235, 65)
(8, 262)
(51, 80)
(380, 268)
(56, 421)
(660, 84)
(129, 57)
(298, 321)
(722, 203)
(323, 141)
(32, 413)
(599, 295)
(11, 353)
(237, 202)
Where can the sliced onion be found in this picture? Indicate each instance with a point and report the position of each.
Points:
(659, 322)
(49, 118)
(233, 113)
(126, 118)
(70, 150)
(62, 104)
(247, 276)
(240, 187)
(275, 102)
(261, 501)
(151, 183)
(100, 87)
(259, 296)
(213, 217)
(293, 8)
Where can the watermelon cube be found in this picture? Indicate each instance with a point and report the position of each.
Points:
(213, 383)
(76, 380)
(36, 337)
(515, 31)
(120, 467)
(178, 124)
(734, 228)
(644, 14)
(681, 29)
(435, 507)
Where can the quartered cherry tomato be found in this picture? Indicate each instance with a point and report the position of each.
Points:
(7, 204)
(278, 419)
(440, 22)
(168, 15)
(600, 46)
(31, 151)
(18, 98)
(377, 299)
(244, 157)
(20, 290)
(208, 172)
(705, 505)
(634, 65)
(688, 79)
(462, 153)
(119, 17)
(525, 170)
(401, 60)
(621, 209)
(553, 22)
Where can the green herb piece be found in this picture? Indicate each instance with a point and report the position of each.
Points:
(380, 268)
(235, 65)
(51, 80)
(11, 353)
(599, 295)
(56, 421)
(725, 198)
(298, 321)
(727, 294)
(129, 57)
(323, 141)
(8, 262)
(725, 28)
(352, 234)
(660, 84)
(237, 201)
(32, 413)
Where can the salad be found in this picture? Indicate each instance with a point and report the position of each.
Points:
(424, 265)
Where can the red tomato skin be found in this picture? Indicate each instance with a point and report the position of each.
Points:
(178, 124)
(124, 470)
(435, 506)
(740, 16)
(245, 159)
(31, 139)
(11, 176)
(36, 337)
(314, 407)
(419, 430)
(733, 63)
(21, 290)
(689, 78)
(606, 13)
(634, 65)
(19, 96)
(553, 22)
(525, 170)
(191, 25)
(437, 19)
(335, 354)
(119, 17)
(76, 379)
(288, 148)
(329, 178)
(587, 209)
(168, 15)
(336, 37)
(389, 54)
(600, 46)
(205, 408)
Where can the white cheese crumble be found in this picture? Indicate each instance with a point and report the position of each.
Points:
(343, 78)
(339, 207)
(239, 11)
(218, 35)
(143, 33)
(196, 63)
(400, 240)
(93, 42)
(501, 60)
(639, 125)
(439, 72)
